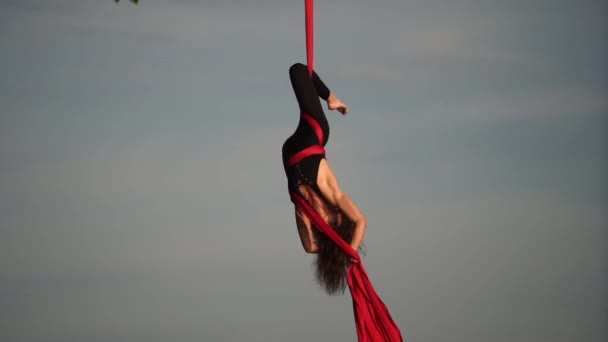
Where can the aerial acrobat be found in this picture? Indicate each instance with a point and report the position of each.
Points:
(329, 223)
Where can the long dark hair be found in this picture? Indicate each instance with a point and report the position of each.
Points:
(332, 262)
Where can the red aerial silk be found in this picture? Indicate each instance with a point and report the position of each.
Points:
(373, 321)
(309, 17)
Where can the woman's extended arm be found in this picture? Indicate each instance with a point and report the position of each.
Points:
(328, 184)
(354, 214)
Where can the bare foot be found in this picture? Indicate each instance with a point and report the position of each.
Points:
(333, 103)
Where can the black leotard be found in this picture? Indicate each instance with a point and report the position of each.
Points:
(312, 130)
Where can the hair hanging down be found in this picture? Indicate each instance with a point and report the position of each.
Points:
(331, 261)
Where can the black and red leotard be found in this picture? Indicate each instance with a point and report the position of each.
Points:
(304, 149)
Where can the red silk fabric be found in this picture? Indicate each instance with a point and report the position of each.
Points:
(372, 318)
(315, 126)
(373, 321)
(309, 16)
(312, 150)
(307, 152)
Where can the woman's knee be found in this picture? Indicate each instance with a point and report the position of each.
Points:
(298, 69)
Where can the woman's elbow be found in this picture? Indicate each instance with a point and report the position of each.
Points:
(311, 248)
(361, 222)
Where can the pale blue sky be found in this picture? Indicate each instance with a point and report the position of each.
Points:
(142, 196)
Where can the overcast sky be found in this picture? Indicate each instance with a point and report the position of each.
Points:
(142, 196)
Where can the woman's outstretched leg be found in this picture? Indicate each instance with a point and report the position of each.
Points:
(308, 89)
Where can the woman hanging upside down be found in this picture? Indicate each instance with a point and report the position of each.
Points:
(310, 177)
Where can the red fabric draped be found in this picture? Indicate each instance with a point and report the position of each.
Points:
(307, 152)
(309, 17)
(315, 126)
(373, 321)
